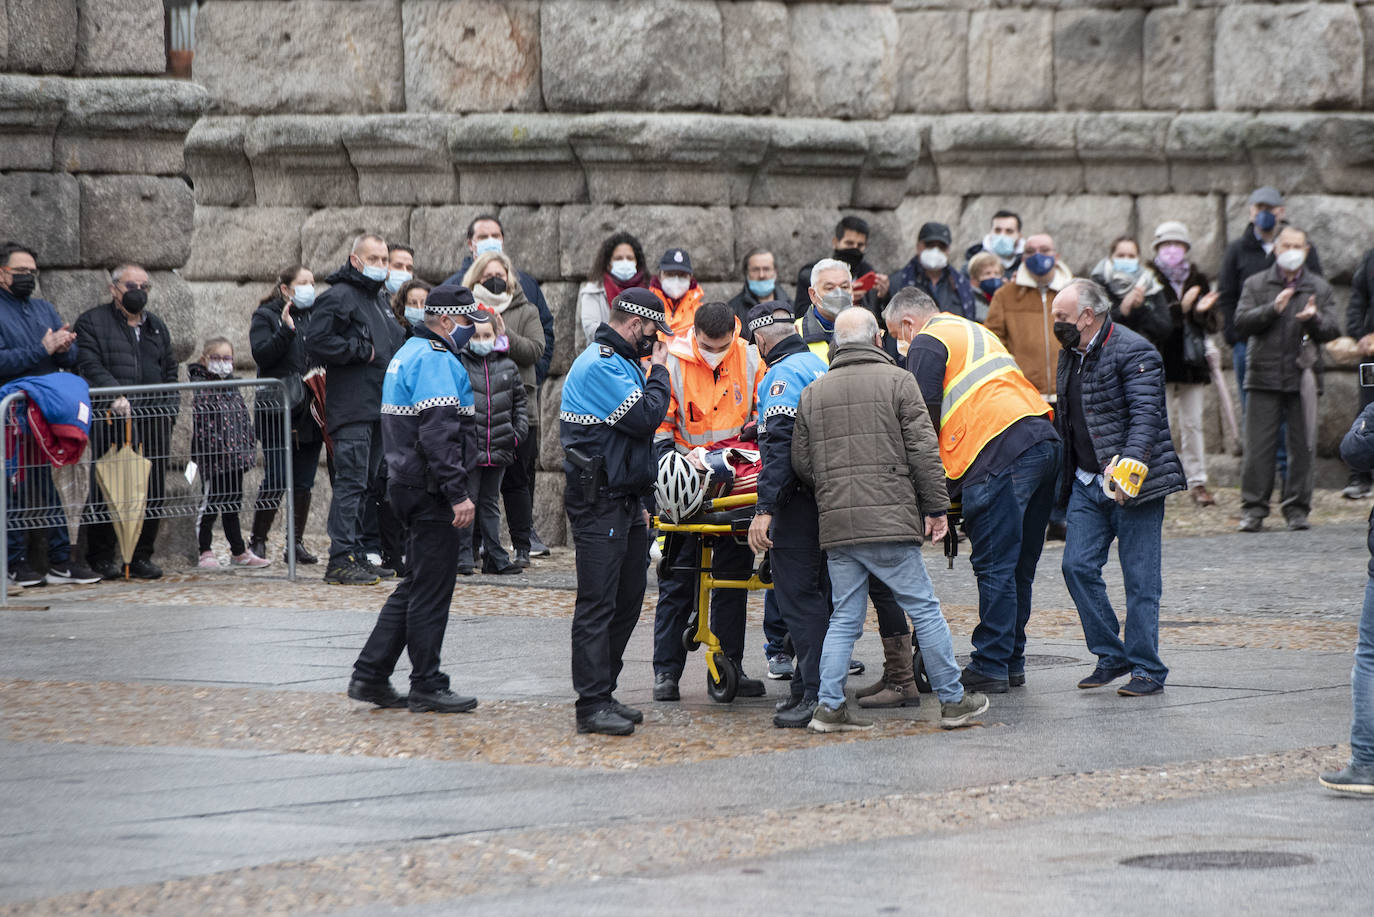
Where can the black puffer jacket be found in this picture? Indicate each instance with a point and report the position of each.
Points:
(1123, 404)
(222, 438)
(502, 414)
(353, 335)
(279, 352)
(112, 355)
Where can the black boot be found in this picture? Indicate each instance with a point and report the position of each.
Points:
(262, 524)
(303, 555)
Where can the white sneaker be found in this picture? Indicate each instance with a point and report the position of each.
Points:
(207, 561)
(248, 559)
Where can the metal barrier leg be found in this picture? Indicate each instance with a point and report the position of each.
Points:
(290, 501)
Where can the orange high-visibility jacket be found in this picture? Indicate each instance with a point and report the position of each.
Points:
(706, 406)
(985, 391)
(681, 318)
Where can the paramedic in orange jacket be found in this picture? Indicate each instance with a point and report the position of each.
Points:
(677, 287)
(1002, 461)
(713, 378)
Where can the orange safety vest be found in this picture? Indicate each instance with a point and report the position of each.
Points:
(681, 318)
(984, 392)
(705, 406)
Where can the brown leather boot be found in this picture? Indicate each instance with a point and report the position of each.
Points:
(899, 687)
(882, 682)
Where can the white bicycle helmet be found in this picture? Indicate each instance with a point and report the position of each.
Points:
(679, 489)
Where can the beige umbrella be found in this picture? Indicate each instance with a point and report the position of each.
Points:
(123, 475)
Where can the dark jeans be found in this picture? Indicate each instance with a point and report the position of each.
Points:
(223, 498)
(357, 457)
(801, 584)
(774, 629)
(1005, 516)
(1266, 415)
(154, 437)
(612, 544)
(305, 460)
(484, 489)
(677, 598)
(1366, 398)
(1238, 364)
(1094, 520)
(517, 487)
(415, 616)
(36, 499)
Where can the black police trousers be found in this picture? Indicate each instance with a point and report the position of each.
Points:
(677, 599)
(801, 585)
(415, 617)
(612, 543)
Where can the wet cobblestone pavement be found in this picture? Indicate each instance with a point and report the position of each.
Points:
(184, 747)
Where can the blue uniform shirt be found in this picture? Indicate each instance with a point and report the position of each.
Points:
(428, 421)
(793, 368)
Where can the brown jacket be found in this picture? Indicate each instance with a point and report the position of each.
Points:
(864, 443)
(1020, 315)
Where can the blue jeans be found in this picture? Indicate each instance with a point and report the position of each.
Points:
(1362, 686)
(1094, 521)
(898, 564)
(1005, 516)
(1238, 364)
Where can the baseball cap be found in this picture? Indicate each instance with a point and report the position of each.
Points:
(642, 302)
(454, 299)
(934, 232)
(1267, 196)
(676, 259)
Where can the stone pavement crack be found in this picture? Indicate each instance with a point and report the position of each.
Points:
(508, 861)
(497, 732)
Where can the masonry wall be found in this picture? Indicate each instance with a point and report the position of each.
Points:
(719, 126)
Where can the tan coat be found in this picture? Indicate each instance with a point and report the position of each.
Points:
(864, 443)
(1020, 315)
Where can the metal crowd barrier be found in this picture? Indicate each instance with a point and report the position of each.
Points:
(121, 477)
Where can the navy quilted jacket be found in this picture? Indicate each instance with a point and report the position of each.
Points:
(1123, 403)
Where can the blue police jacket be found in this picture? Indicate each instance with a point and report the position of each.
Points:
(792, 367)
(610, 409)
(429, 429)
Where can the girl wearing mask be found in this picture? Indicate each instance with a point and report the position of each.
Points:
(408, 304)
(1138, 299)
(502, 426)
(619, 265)
(222, 446)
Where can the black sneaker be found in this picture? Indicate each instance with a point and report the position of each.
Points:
(73, 572)
(258, 546)
(1353, 778)
(379, 693)
(537, 546)
(349, 573)
(629, 713)
(142, 568)
(605, 721)
(377, 570)
(665, 687)
(787, 703)
(1359, 487)
(797, 716)
(750, 687)
(1140, 686)
(977, 681)
(441, 701)
(21, 574)
(1016, 679)
(1104, 675)
(108, 569)
(465, 570)
(522, 558)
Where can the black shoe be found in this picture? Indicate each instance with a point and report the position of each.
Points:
(796, 717)
(1140, 686)
(665, 687)
(349, 573)
(465, 570)
(1017, 679)
(856, 667)
(73, 572)
(629, 713)
(750, 687)
(441, 701)
(377, 570)
(108, 570)
(606, 722)
(379, 693)
(1250, 523)
(1104, 675)
(21, 574)
(977, 681)
(303, 555)
(522, 558)
(787, 703)
(1056, 531)
(507, 570)
(142, 568)
(258, 546)
(537, 546)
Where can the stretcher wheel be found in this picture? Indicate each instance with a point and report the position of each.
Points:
(918, 665)
(724, 690)
(689, 639)
(766, 569)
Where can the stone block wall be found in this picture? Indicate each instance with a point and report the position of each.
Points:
(720, 125)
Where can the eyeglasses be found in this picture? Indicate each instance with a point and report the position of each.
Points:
(21, 271)
(131, 286)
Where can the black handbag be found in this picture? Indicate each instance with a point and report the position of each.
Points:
(1194, 345)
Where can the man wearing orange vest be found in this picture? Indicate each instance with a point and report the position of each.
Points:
(1002, 461)
(677, 287)
(713, 379)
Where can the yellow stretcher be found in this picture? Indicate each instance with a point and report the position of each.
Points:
(718, 518)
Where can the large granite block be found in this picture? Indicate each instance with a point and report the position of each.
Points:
(73, 291)
(1201, 213)
(1178, 59)
(550, 518)
(42, 35)
(401, 159)
(978, 154)
(1289, 56)
(1345, 153)
(120, 36)
(895, 146)
(301, 161)
(439, 237)
(226, 310)
(809, 163)
(530, 238)
(550, 448)
(755, 82)
(43, 211)
(1010, 65)
(244, 243)
(135, 218)
(795, 235)
(30, 110)
(1097, 59)
(518, 159)
(219, 169)
(1207, 153)
(471, 55)
(1286, 149)
(1124, 152)
(932, 61)
(1341, 227)
(562, 300)
(706, 232)
(824, 70)
(127, 125)
(327, 235)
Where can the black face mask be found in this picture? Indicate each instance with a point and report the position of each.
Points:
(134, 301)
(1067, 333)
(495, 285)
(21, 285)
(646, 345)
(850, 256)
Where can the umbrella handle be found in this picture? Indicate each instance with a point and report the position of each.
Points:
(129, 428)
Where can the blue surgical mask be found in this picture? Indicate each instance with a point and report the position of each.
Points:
(1040, 264)
(1265, 220)
(395, 280)
(991, 285)
(461, 335)
(1126, 265)
(303, 297)
(481, 348)
(375, 272)
(1003, 246)
(489, 244)
(624, 268)
(763, 287)
(415, 314)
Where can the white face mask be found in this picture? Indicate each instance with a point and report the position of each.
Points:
(713, 360)
(1292, 259)
(220, 367)
(675, 287)
(624, 268)
(932, 259)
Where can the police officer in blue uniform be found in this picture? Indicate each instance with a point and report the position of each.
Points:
(430, 438)
(786, 520)
(607, 420)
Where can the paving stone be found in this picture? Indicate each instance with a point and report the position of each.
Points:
(1009, 68)
(120, 36)
(43, 210)
(1178, 59)
(472, 55)
(135, 218)
(932, 67)
(754, 82)
(1265, 56)
(823, 68)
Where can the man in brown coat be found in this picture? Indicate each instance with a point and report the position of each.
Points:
(863, 442)
(1019, 313)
